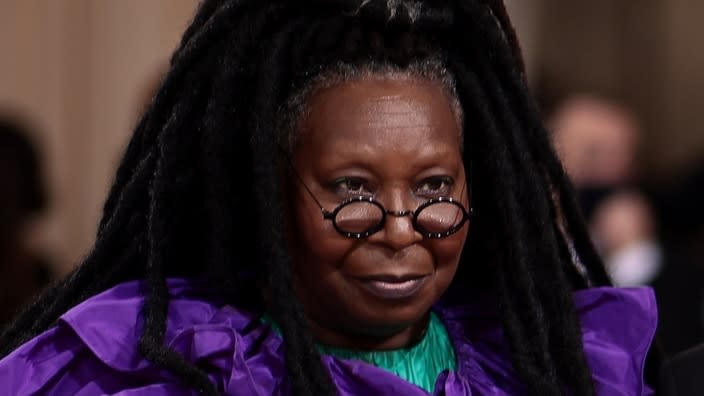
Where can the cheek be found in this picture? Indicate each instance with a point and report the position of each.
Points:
(315, 241)
(447, 251)
(447, 254)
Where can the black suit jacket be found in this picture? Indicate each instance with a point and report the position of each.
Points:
(683, 375)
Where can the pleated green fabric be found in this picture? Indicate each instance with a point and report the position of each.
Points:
(419, 364)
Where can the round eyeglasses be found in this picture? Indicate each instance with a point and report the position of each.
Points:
(360, 217)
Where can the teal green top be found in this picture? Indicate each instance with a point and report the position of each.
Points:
(419, 364)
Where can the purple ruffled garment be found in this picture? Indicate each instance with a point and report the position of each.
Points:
(93, 349)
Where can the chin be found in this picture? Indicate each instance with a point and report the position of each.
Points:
(392, 319)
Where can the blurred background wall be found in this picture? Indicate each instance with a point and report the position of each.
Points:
(648, 54)
(81, 70)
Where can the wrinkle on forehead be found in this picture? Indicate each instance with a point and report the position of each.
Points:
(389, 129)
(381, 112)
(392, 111)
(423, 71)
(392, 102)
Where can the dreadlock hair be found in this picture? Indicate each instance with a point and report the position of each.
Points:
(201, 168)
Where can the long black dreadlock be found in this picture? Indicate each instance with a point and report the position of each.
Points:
(203, 157)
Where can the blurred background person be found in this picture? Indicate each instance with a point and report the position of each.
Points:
(23, 270)
(597, 141)
(646, 237)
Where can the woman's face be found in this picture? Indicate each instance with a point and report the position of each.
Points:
(396, 140)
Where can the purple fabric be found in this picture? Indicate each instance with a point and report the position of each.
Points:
(93, 349)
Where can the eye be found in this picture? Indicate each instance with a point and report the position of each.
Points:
(351, 186)
(436, 186)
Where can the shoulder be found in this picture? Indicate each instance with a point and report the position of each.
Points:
(94, 347)
(618, 326)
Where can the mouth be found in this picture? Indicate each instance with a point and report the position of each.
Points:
(393, 287)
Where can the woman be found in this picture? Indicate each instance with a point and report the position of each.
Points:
(338, 197)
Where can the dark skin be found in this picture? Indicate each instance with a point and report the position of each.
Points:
(395, 139)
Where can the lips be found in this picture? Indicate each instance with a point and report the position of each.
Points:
(393, 287)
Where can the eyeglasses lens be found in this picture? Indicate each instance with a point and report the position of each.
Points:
(359, 217)
(439, 217)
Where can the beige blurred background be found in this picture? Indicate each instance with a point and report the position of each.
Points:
(81, 70)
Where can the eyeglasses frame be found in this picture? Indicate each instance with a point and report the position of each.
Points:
(331, 215)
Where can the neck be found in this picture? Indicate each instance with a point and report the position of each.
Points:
(384, 339)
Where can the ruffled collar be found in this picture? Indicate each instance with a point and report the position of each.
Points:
(419, 364)
(97, 341)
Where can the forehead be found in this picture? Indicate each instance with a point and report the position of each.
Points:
(380, 112)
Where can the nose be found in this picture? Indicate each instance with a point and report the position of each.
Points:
(398, 232)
